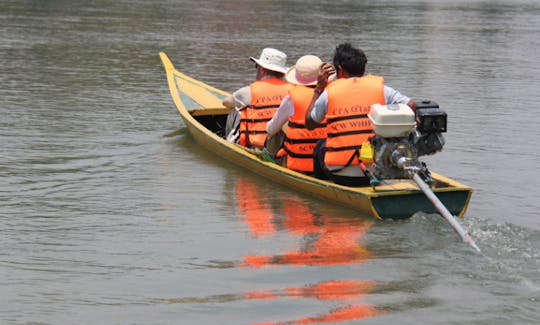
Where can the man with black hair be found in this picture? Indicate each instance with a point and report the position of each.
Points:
(345, 104)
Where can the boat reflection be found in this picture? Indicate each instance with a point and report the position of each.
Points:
(320, 240)
(341, 291)
(324, 240)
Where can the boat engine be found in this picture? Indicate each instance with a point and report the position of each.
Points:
(402, 136)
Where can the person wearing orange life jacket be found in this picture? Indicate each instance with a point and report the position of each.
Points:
(345, 104)
(254, 105)
(299, 142)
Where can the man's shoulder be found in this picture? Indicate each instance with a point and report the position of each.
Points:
(242, 96)
(242, 92)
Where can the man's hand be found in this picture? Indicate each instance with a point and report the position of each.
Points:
(325, 71)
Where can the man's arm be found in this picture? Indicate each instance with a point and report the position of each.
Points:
(310, 122)
(229, 102)
(239, 99)
(392, 96)
(412, 105)
(284, 111)
(325, 70)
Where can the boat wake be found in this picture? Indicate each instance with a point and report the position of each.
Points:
(509, 252)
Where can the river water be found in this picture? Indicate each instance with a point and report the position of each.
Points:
(111, 214)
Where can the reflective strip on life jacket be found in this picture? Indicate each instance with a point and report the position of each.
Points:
(266, 95)
(349, 102)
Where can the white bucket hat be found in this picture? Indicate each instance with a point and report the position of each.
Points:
(272, 59)
(305, 71)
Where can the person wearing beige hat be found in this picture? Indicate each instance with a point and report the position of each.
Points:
(254, 105)
(299, 142)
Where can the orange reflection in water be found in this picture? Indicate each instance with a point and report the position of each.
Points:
(329, 240)
(340, 290)
(324, 241)
(256, 211)
(329, 290)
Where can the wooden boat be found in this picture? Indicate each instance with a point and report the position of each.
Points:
(200, 106)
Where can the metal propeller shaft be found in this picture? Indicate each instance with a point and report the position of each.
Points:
(444, 211)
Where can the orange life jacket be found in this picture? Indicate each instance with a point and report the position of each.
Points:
(299, 141)
(347, 124)
(266, 95)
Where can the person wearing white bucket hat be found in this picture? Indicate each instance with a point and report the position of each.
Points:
(297, 142)
(272, 59)
(254, 105)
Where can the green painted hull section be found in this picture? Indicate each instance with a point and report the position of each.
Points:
(404, 206)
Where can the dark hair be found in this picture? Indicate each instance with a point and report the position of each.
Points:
(350, 59)
(274, 73)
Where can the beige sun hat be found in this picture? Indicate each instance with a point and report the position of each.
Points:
(272, 59)
(305, 71)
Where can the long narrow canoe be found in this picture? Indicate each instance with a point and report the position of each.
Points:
(200, 106)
